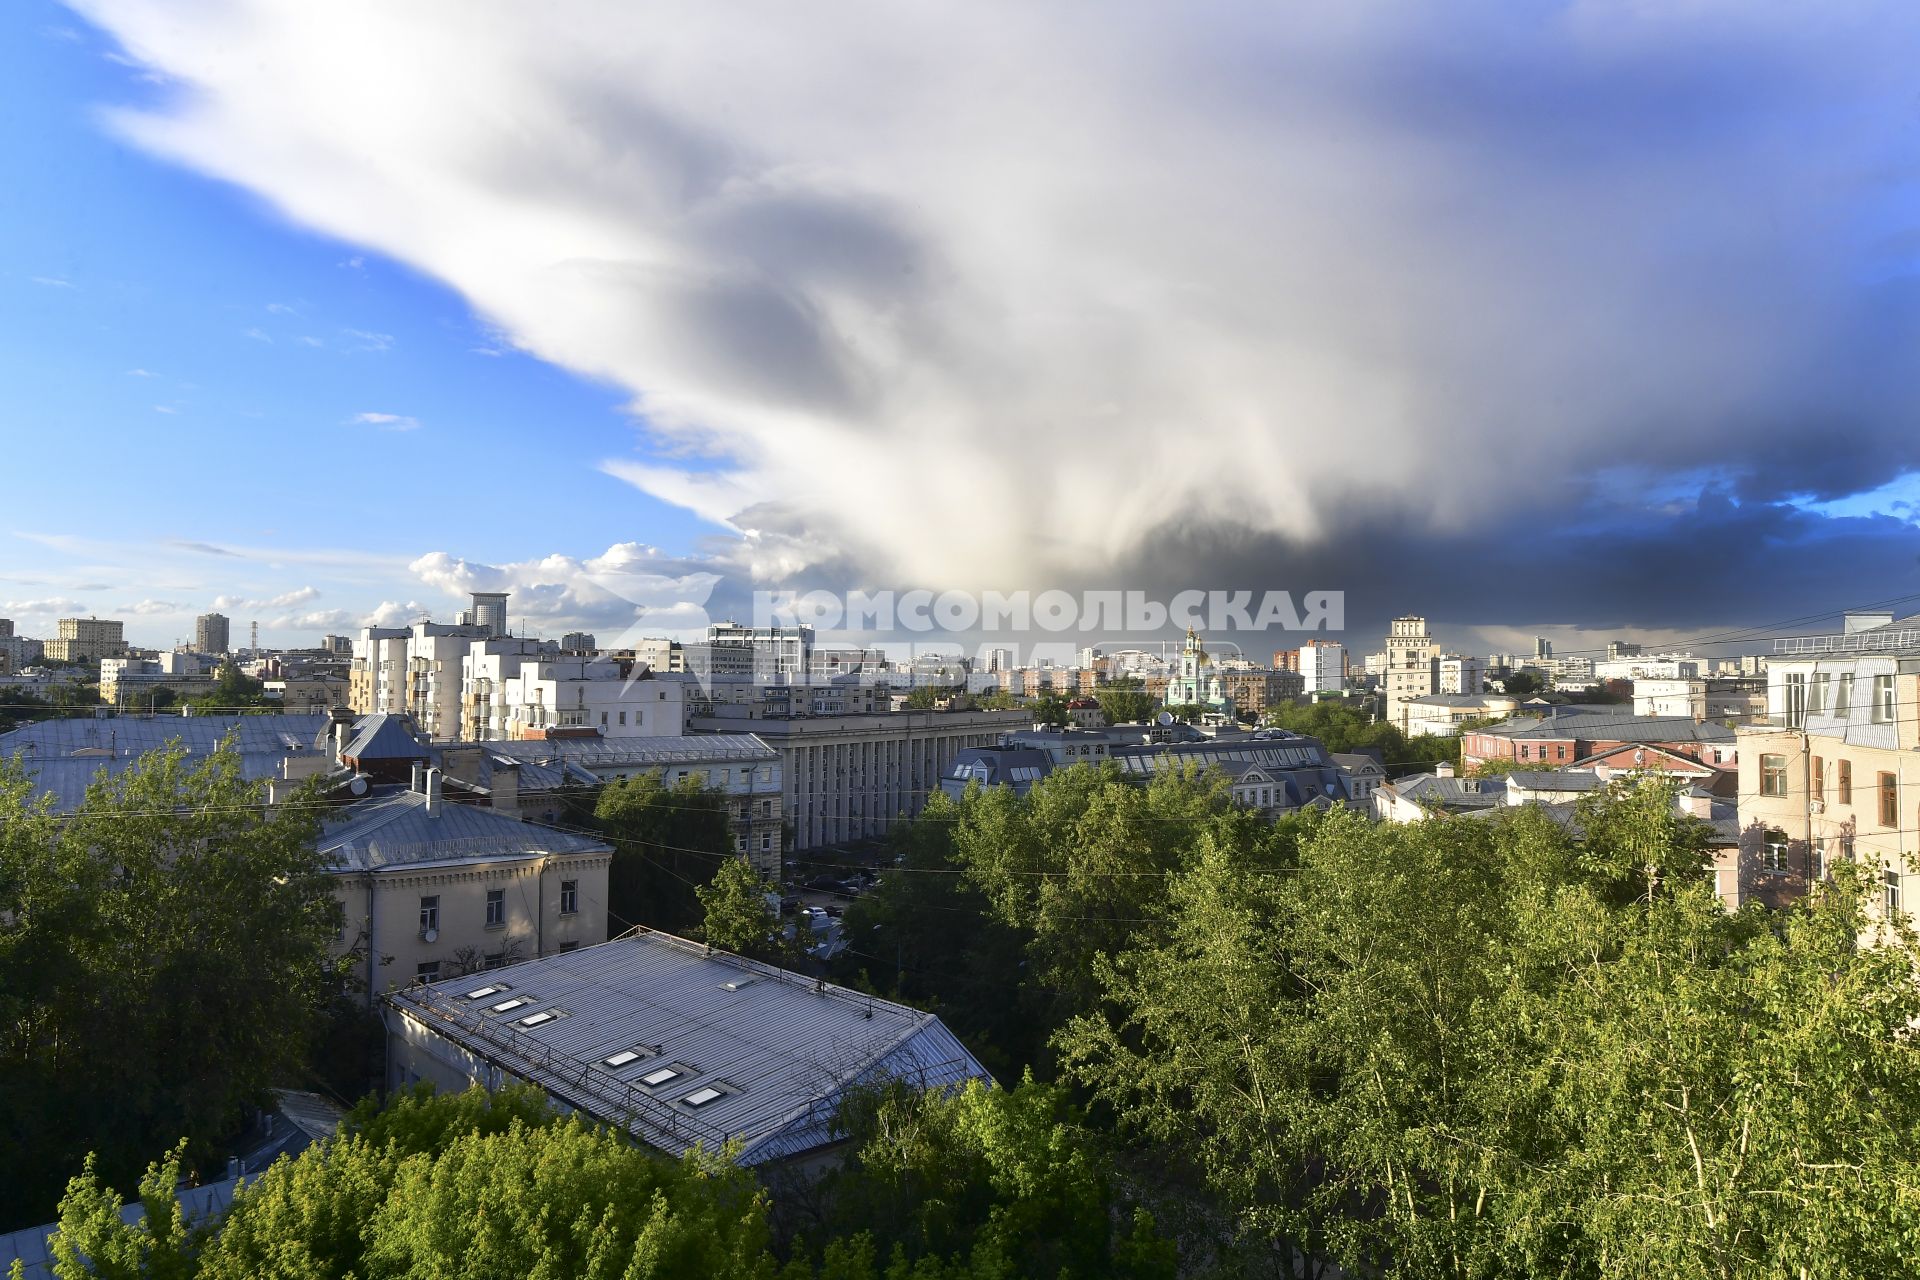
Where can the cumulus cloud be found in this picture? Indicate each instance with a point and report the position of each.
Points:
(50, 606)
(630, 587)
(150, 608)
(1302, 275)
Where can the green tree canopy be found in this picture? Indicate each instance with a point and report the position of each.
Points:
(667, 842)
(164, 951)
(1125, 700)
(738, 917)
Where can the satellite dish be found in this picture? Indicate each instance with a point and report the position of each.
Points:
(1164, 718)
(430, 935)
(357, 784)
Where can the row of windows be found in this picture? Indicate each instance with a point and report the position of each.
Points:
(497, 906)
(1773, 782)
(1810, 696)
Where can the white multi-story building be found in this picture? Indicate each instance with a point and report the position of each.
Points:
(1462, 674)
(587, 697)
(1323, 666)
(849, 777)
(86, 639)
(1412, 668)
(1657, 666)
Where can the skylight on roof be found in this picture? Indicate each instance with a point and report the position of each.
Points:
(659, 1076)
(626, 1056)
(738, 983)
(538, 1019)
(481, 993)
(702, 1096)
(508, 1006)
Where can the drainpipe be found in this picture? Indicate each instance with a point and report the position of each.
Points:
(373, 950)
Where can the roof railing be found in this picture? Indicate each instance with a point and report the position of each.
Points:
(1877, 640)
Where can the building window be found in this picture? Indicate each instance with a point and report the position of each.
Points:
(1889, 801)
(1773, 775)
(1773, 857)
(1817, 694)
(766, 841)
(429, 914)
(1843, 782)
(1843, 695)
(428, 972)
(1883, 699)
(1890, 880)
(1796, 691)
(496, 908)
(1817, 859)
(569, 897)
(1819, 778)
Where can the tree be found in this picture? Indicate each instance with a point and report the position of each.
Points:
(164, 952)
(738, 917)
(233, 690)
(1125, 700)
(998, 1182)
(667, 842)
(1479, 1048)
(1051, 709)
(1522, 684)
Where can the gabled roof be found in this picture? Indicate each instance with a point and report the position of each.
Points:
(1449, 793)
(1555, 780)
(782, 1049)
(65, 756)
(1679, 763)
(382, 736)
(393, 829)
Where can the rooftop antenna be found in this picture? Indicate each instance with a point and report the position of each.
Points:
(253, 640)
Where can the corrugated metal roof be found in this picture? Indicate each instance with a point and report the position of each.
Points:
(285, 732)
(394, 829)
(381, 736)
(643, 751)
(65, 756)
(781, 1048)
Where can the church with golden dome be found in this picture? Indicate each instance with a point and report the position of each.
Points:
(1198, 683)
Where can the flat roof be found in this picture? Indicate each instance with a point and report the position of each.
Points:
(758, 1055)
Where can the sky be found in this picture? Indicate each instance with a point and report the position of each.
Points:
(1569, 319)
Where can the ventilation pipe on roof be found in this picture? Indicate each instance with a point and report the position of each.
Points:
(419, 780)
(339, 741)
(433, 793)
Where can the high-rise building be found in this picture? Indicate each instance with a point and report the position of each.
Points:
(6, 628)
(1322, 665)
(1412, 668)
(490, 611)
(88, 639)
(577, 642)
(1542, 647)
(210, 633)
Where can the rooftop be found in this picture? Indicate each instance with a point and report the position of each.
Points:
(393, 828)
(686, 1046)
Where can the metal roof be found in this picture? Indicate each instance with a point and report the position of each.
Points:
(1555, 780)
(642, 752)
(382, 736)
(394, 829)
(116, 736)
(781, 1048)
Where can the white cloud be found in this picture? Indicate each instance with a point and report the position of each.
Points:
(308, 340)
(53, 282)
(391, 613)
(631, 587)
(280, 309)
(363, 340)
(165, 408)
(141, 373)
(1260, 266)
(51, 606)
(258, 334)
(386, 421)
(151, 608)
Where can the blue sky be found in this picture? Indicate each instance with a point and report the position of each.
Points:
(180, 364)
(1540, 319)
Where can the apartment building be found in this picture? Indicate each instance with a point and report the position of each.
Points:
(1831, 772)
(1440, 715)
(1411, 669)
(849, 777)
(87, 640)
(1571, 733)
(210, 633)
(432, 890)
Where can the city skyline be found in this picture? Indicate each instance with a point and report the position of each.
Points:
(1551, 417)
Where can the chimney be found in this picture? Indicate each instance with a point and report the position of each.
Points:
(1443, 770)
(339, 741)
(433, 793)
(418, 782)
(506, 789)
